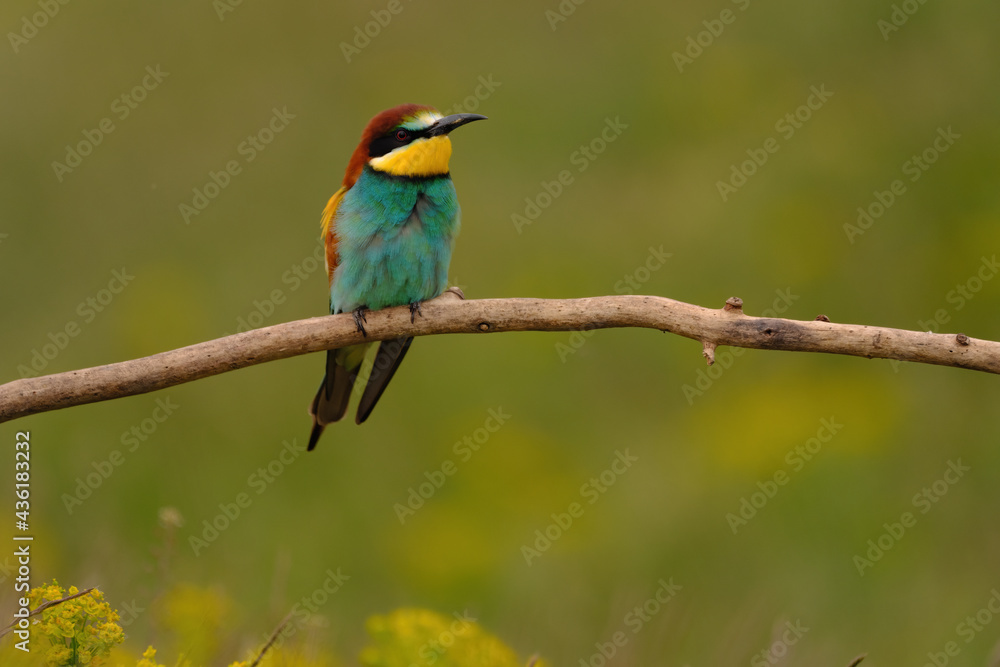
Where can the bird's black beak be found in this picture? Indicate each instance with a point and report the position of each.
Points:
(449, 123)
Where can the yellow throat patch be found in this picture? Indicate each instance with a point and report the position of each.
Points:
(424, 157)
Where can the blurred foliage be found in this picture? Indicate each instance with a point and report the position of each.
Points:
(195, 617)
(84, 632)
(101, 473)
(409, 636)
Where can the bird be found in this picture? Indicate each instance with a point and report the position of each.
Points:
(388, 232)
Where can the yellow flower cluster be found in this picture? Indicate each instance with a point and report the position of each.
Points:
(81, 631)
(408, 635)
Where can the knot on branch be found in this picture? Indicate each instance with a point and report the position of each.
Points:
(734, 305)
(708, 351)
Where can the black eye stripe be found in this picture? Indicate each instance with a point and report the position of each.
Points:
(389, 142)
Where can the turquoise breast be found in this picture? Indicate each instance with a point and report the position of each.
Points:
(394, 241)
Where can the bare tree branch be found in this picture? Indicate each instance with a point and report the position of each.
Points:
(42, 607)
(450, 314)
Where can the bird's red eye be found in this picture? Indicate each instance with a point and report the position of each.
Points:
(402, 135)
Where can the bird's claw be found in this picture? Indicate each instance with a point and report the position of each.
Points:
(414, 311)
(360, 319)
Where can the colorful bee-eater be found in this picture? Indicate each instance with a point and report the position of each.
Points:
(389, 232)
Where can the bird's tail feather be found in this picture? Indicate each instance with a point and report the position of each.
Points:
(390, 354)
(333, 395)
(342, 366)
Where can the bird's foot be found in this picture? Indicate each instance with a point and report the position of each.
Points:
(360, 319)
(414, 311)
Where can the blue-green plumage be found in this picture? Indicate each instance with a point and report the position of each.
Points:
(395, 236)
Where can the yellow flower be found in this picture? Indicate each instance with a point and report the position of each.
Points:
(81, 631)
(148, 659)
(58, 655)
(408, 636)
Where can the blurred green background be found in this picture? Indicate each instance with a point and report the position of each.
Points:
(778, 241)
